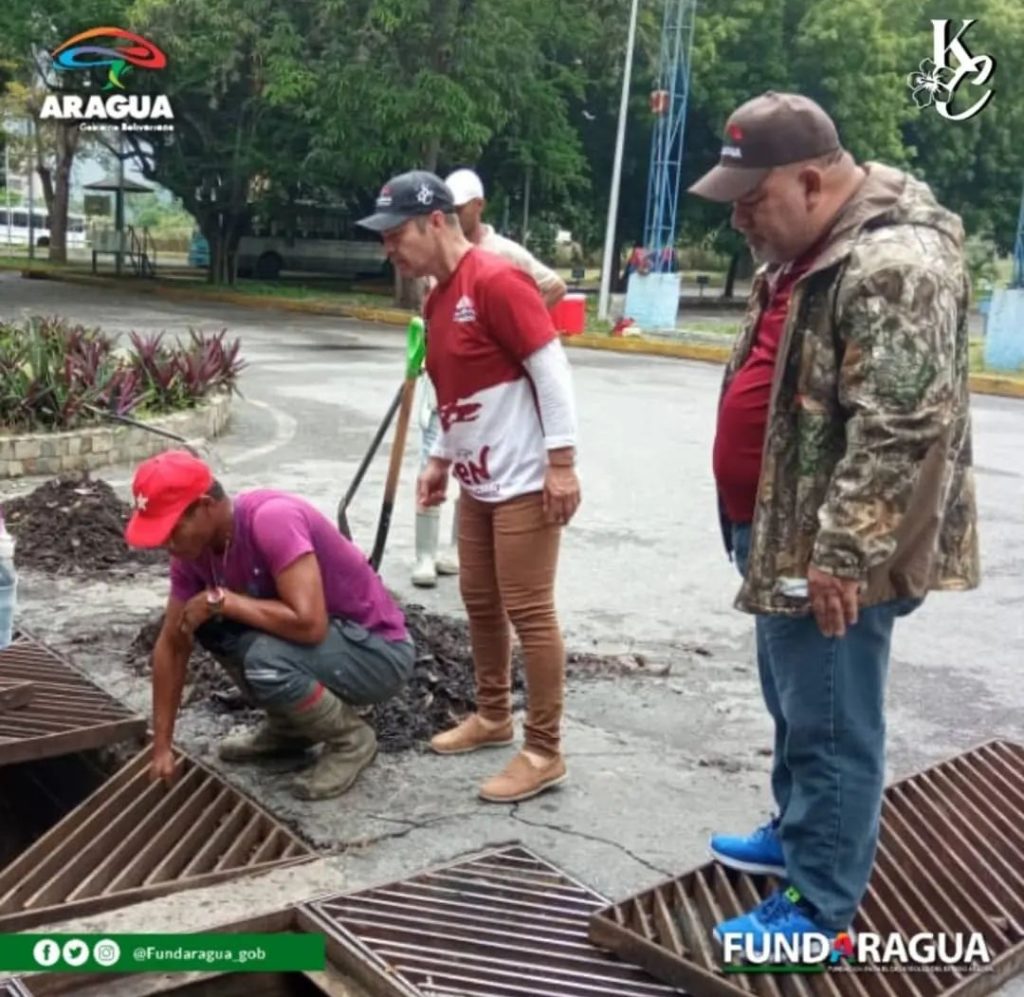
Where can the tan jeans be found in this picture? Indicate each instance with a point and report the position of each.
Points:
(508, 554)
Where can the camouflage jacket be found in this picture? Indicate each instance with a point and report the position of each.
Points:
(866, 467)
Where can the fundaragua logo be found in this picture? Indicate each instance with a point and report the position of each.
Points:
(119, 52)
(864, 950)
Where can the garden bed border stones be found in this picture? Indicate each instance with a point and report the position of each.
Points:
(106, 444)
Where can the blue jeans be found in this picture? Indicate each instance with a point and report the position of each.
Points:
(827, 698)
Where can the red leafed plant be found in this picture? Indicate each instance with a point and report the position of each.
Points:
(57, 375)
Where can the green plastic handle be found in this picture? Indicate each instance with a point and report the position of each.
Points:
(415, 347)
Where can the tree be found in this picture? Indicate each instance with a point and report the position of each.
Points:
(236, 130)
(28, 32)
(854, 57)
(976, 167)
(440, 83)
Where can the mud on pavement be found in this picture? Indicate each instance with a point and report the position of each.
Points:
(440, 692)
(71, 528)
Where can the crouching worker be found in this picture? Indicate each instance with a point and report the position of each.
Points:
(289, 607)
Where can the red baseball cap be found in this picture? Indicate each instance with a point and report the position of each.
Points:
(163, 488)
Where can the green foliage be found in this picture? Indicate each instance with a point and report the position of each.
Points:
(150, 211)
(982, 261)
(854, 57)
(55, 375)
(278, 100)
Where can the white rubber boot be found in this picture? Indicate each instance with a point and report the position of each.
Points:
(447, 562)
(428, 522)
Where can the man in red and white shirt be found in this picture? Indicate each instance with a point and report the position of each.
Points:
(508, 435)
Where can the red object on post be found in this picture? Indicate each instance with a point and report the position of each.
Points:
(570, 314)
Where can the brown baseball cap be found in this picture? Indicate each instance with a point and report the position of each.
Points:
(767, 131)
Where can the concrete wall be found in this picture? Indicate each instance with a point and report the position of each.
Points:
(86, 449)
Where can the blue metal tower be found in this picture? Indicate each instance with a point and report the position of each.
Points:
(668, 102)
(1018, 250)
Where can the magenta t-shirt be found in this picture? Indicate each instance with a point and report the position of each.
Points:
(273, 529)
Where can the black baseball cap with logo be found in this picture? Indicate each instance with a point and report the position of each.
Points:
(406, 196)
(771, 130)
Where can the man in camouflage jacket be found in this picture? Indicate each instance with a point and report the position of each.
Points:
(843, 465)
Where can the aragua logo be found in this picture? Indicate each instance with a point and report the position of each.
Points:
(134, 50)
(121, 52)
(936, 81)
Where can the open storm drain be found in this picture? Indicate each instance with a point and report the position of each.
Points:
(504, 924)
(134, 839)
(950, 864)
(49, 708)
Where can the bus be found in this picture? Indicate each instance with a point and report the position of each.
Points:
(313, 238)
(14, 228)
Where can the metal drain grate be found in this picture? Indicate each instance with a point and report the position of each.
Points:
(63, 712)
(950, 860)
(134, 839)
(504, 924)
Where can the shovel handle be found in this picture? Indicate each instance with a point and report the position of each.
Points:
(394, 467)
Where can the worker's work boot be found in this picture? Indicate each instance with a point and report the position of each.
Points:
(428, 523)
(447, 562)
(470, 735)
(349, 745)
(274, 738)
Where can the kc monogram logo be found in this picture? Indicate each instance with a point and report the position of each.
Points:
(937, 80)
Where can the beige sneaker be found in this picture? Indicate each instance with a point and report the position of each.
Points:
(472, 734)
(521, 779)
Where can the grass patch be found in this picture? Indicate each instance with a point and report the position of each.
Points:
(39, 263)
(718, 327)
(337, 296)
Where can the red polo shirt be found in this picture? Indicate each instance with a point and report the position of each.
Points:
(743, 413)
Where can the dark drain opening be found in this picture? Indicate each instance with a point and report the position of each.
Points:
(208, 985)
(251, 985)
(35, 796)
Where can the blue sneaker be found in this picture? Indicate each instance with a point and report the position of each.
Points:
(760, 852)
(784, 913)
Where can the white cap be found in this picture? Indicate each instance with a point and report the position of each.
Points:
(465, 186)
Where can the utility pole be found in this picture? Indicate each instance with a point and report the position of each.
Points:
(607, 263)
(526, 204)
(119, 205)
(7, 181)
(31, 193)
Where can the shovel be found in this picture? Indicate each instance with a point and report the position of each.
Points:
(402, 402)
(415, 350)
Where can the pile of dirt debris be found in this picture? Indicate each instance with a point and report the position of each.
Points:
(206, 680)
(440, 692)
(73, 525)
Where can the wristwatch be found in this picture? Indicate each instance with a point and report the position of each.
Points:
(215, 601)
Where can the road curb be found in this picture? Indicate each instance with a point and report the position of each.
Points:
(984, 384)
(651, 347)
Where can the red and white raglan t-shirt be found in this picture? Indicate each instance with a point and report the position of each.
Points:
(504, 394)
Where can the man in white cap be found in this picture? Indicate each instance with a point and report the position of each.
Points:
(468, 193)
